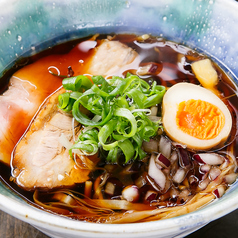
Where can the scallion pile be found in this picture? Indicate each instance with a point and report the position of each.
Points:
(117, 119)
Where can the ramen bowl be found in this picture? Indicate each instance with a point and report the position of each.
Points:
(28, 27)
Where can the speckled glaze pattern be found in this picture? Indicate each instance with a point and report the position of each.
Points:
(27, 27)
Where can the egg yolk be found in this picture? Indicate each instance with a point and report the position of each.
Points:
(200, 119)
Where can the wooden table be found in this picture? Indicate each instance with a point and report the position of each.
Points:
(11, 227)
(225, 227)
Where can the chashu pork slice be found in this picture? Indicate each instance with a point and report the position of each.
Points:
(30, 85)
(17, 106)
(111, 57)
(40, 160)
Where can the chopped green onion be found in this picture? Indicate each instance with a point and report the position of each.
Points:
(123, 112)
(65, 102)
(117, 114)
(87, 142)
(127, 149)
(77, 83)
(105, 134)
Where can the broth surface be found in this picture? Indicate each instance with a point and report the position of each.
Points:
(170, 63)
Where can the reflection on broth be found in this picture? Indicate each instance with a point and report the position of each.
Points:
(140, 124)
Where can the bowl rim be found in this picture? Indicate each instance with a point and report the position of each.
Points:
(30, 214)
(52, 222)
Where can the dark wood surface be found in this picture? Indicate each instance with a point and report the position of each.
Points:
(11, 227)
(225, 227)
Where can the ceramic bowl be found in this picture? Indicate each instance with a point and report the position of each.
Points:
(27, 27)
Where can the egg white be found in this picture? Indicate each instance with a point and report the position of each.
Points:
(183, 92)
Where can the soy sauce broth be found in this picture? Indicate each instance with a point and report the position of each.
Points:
(173, 65)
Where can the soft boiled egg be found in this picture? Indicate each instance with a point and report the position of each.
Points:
(196, 117)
